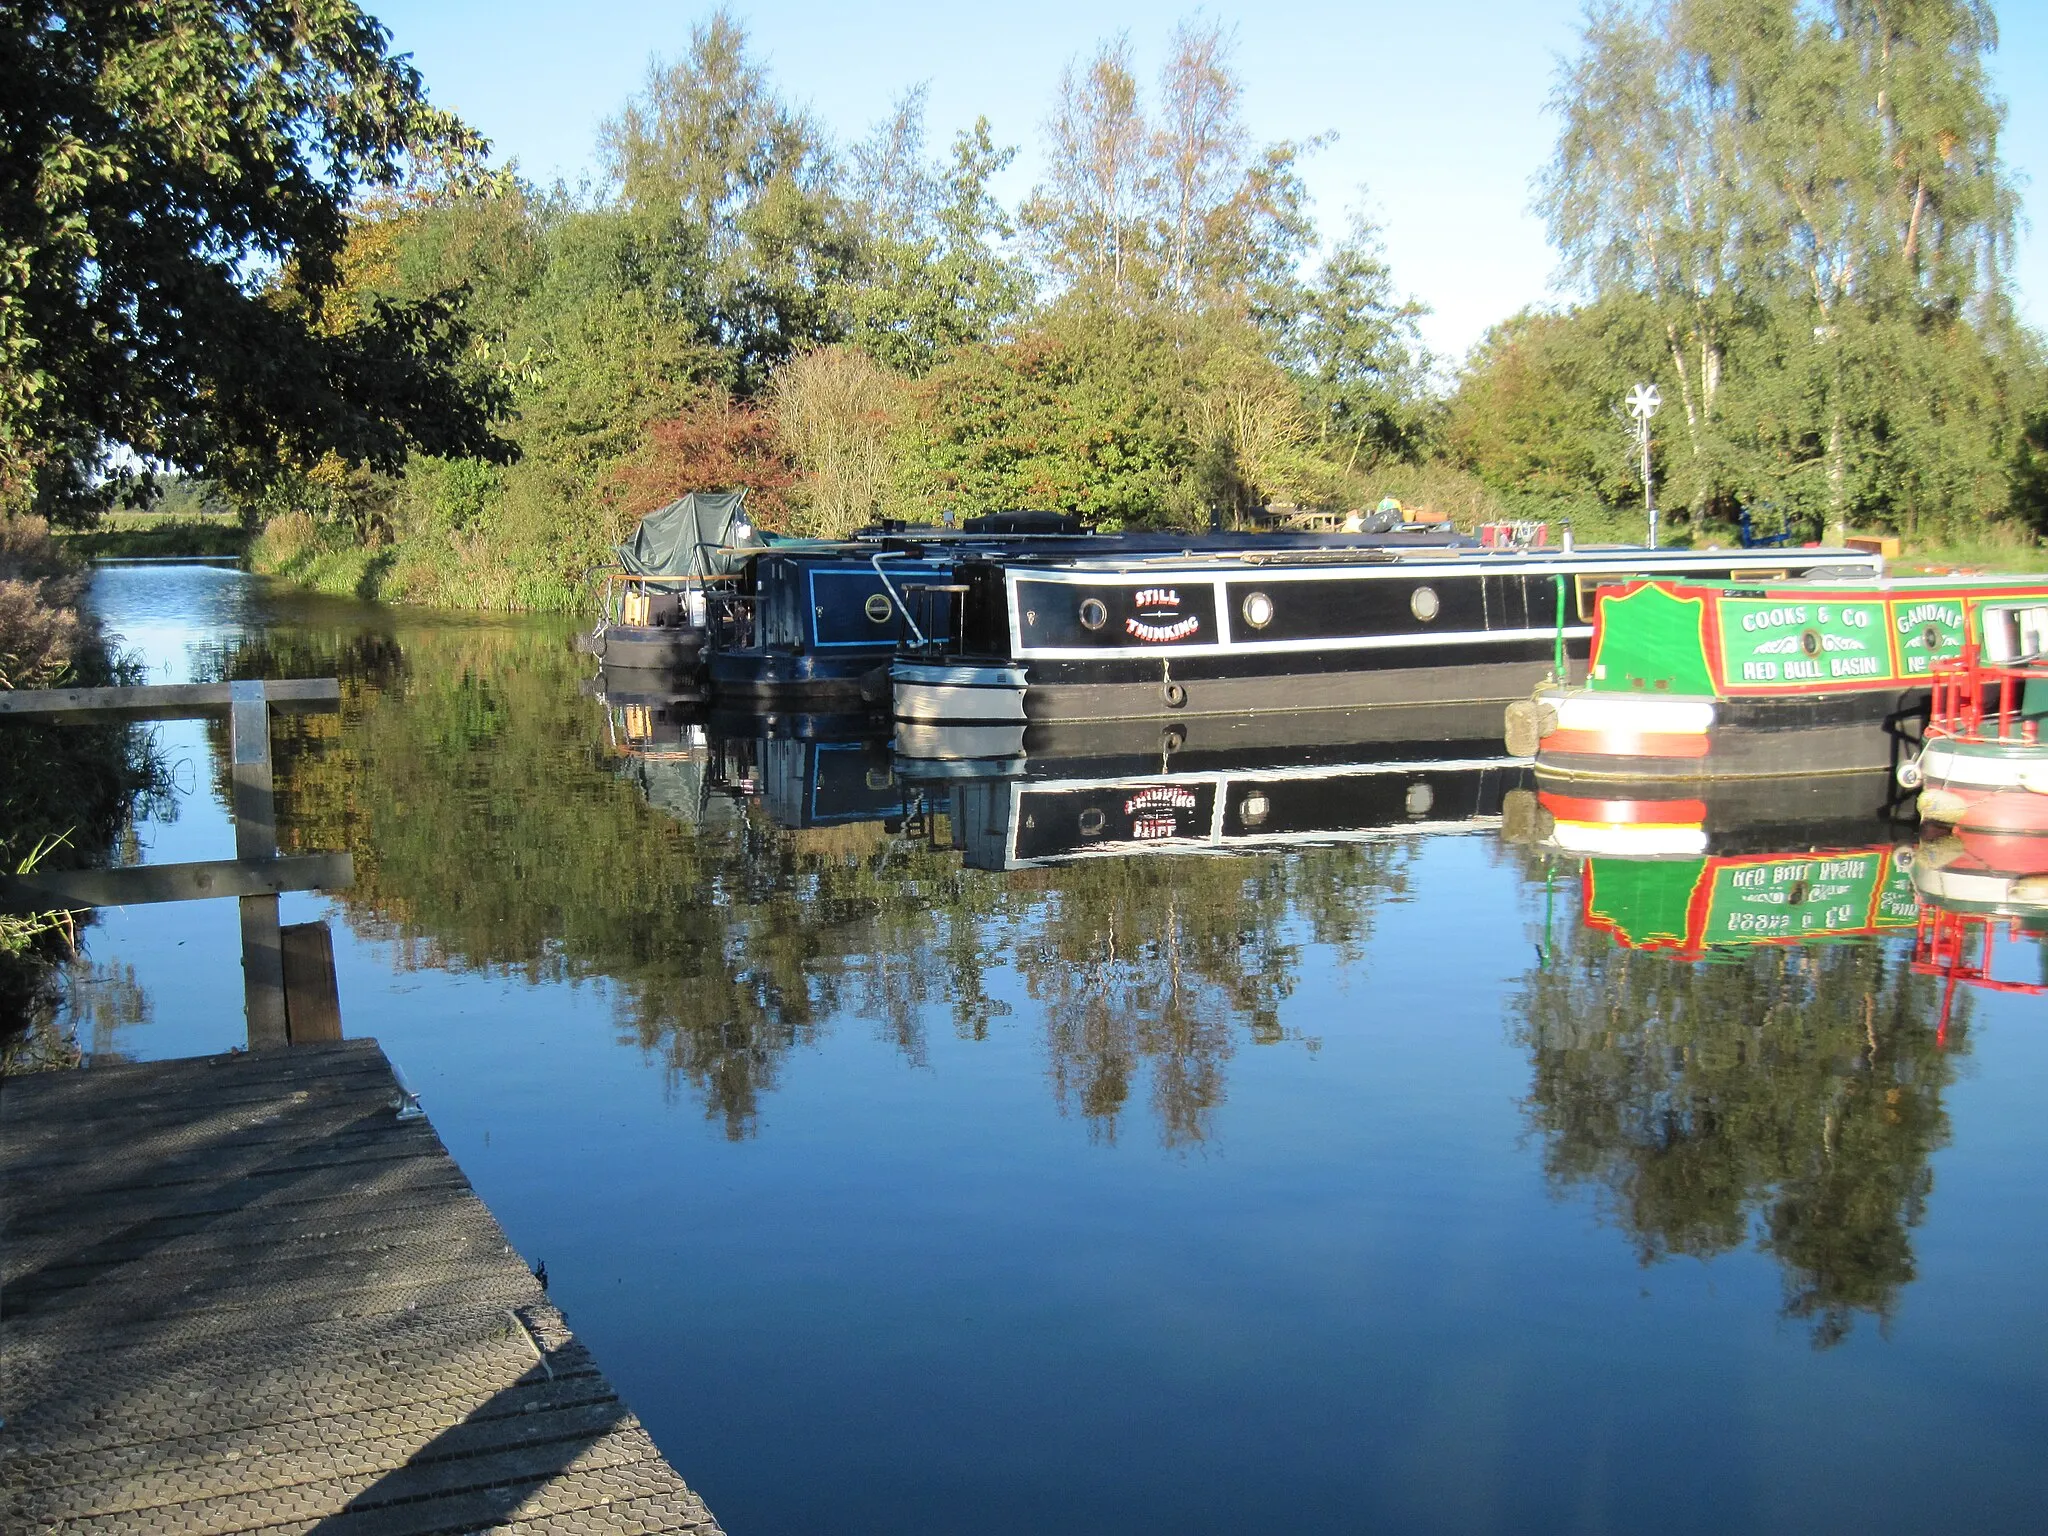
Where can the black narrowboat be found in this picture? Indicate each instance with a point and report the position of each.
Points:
(1257, 628)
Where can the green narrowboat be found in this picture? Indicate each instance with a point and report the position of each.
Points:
(1749, 680)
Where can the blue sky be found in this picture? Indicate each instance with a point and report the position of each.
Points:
(1438, 108)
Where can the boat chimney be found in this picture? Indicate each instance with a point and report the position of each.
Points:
(1567, 545)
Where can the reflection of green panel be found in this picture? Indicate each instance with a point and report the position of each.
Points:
(1804, 641)
(1898, 904)
(1643, 902)
(1928, 629)
(1651, 642)
(1794, 897)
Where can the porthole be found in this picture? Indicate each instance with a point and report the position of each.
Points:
(1094, 613)
(1258, 610)
(1255, 808)
(1931, 637)
(879, 607)
(1421, 799)
(1422, 602)
(1809, 641)
(1092, 822)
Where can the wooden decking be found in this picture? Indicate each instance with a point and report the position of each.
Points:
(241, 1293)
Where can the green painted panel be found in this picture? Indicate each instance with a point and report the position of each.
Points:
(1650, 642)
(1803, 641)
(1644, 902)
(1928, 629)
(1792, 898)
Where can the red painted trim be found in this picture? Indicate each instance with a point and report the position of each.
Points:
(1624, 813)
(1626, 743)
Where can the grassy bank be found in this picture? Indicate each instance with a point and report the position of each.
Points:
(157, 535)
(448, 571)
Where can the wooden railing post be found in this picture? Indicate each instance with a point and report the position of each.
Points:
(255, 809)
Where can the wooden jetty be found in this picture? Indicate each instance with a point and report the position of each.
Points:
(254, 1293)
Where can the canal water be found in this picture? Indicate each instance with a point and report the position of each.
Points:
(909, 1175)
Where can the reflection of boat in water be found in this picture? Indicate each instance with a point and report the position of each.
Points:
(1688, 908)
(1308, 739)
(1017, 823)
(1691, 869)
(1667, 820)
(1018, 796)
(1982, 898)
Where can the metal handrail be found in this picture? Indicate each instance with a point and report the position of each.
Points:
(897, 597)
(1959, 707)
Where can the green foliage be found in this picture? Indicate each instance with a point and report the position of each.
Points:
(1165, 343)
(1803, 208)
(933, 279)
(173, 206)
(1084, 411)
(66, 789)
(1353, 343)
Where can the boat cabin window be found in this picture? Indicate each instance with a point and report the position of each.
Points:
(1589, 583)
(2014, 633)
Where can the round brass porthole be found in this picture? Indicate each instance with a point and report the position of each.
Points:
(1422, 602)
(1258, 610)
(1254, 808)
(1809, 641)
(1092, 821)
(879, 607)
(1094, 613)
(1931, 637)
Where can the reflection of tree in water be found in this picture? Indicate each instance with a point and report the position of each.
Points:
(491, 829)
(1790, 1093)
(1154, 965)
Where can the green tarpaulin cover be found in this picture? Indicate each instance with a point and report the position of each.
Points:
(686, 537)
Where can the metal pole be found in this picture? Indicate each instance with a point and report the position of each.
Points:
(1649, 502)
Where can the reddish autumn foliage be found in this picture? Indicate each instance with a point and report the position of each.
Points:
(716, 444)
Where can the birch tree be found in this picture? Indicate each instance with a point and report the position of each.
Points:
(1817, 177)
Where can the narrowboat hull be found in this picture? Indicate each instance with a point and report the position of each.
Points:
(799, 680)
(1582, 735)
(678, 651)
(815, 630)
(1250, 633)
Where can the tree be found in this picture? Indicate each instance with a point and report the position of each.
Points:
(1353, 342)
(1178, 210)
(733, 193)
(1198, 149)
(934, 276)
(173, 202)
(835, 411)
(1824, 175)
(1089, 218)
